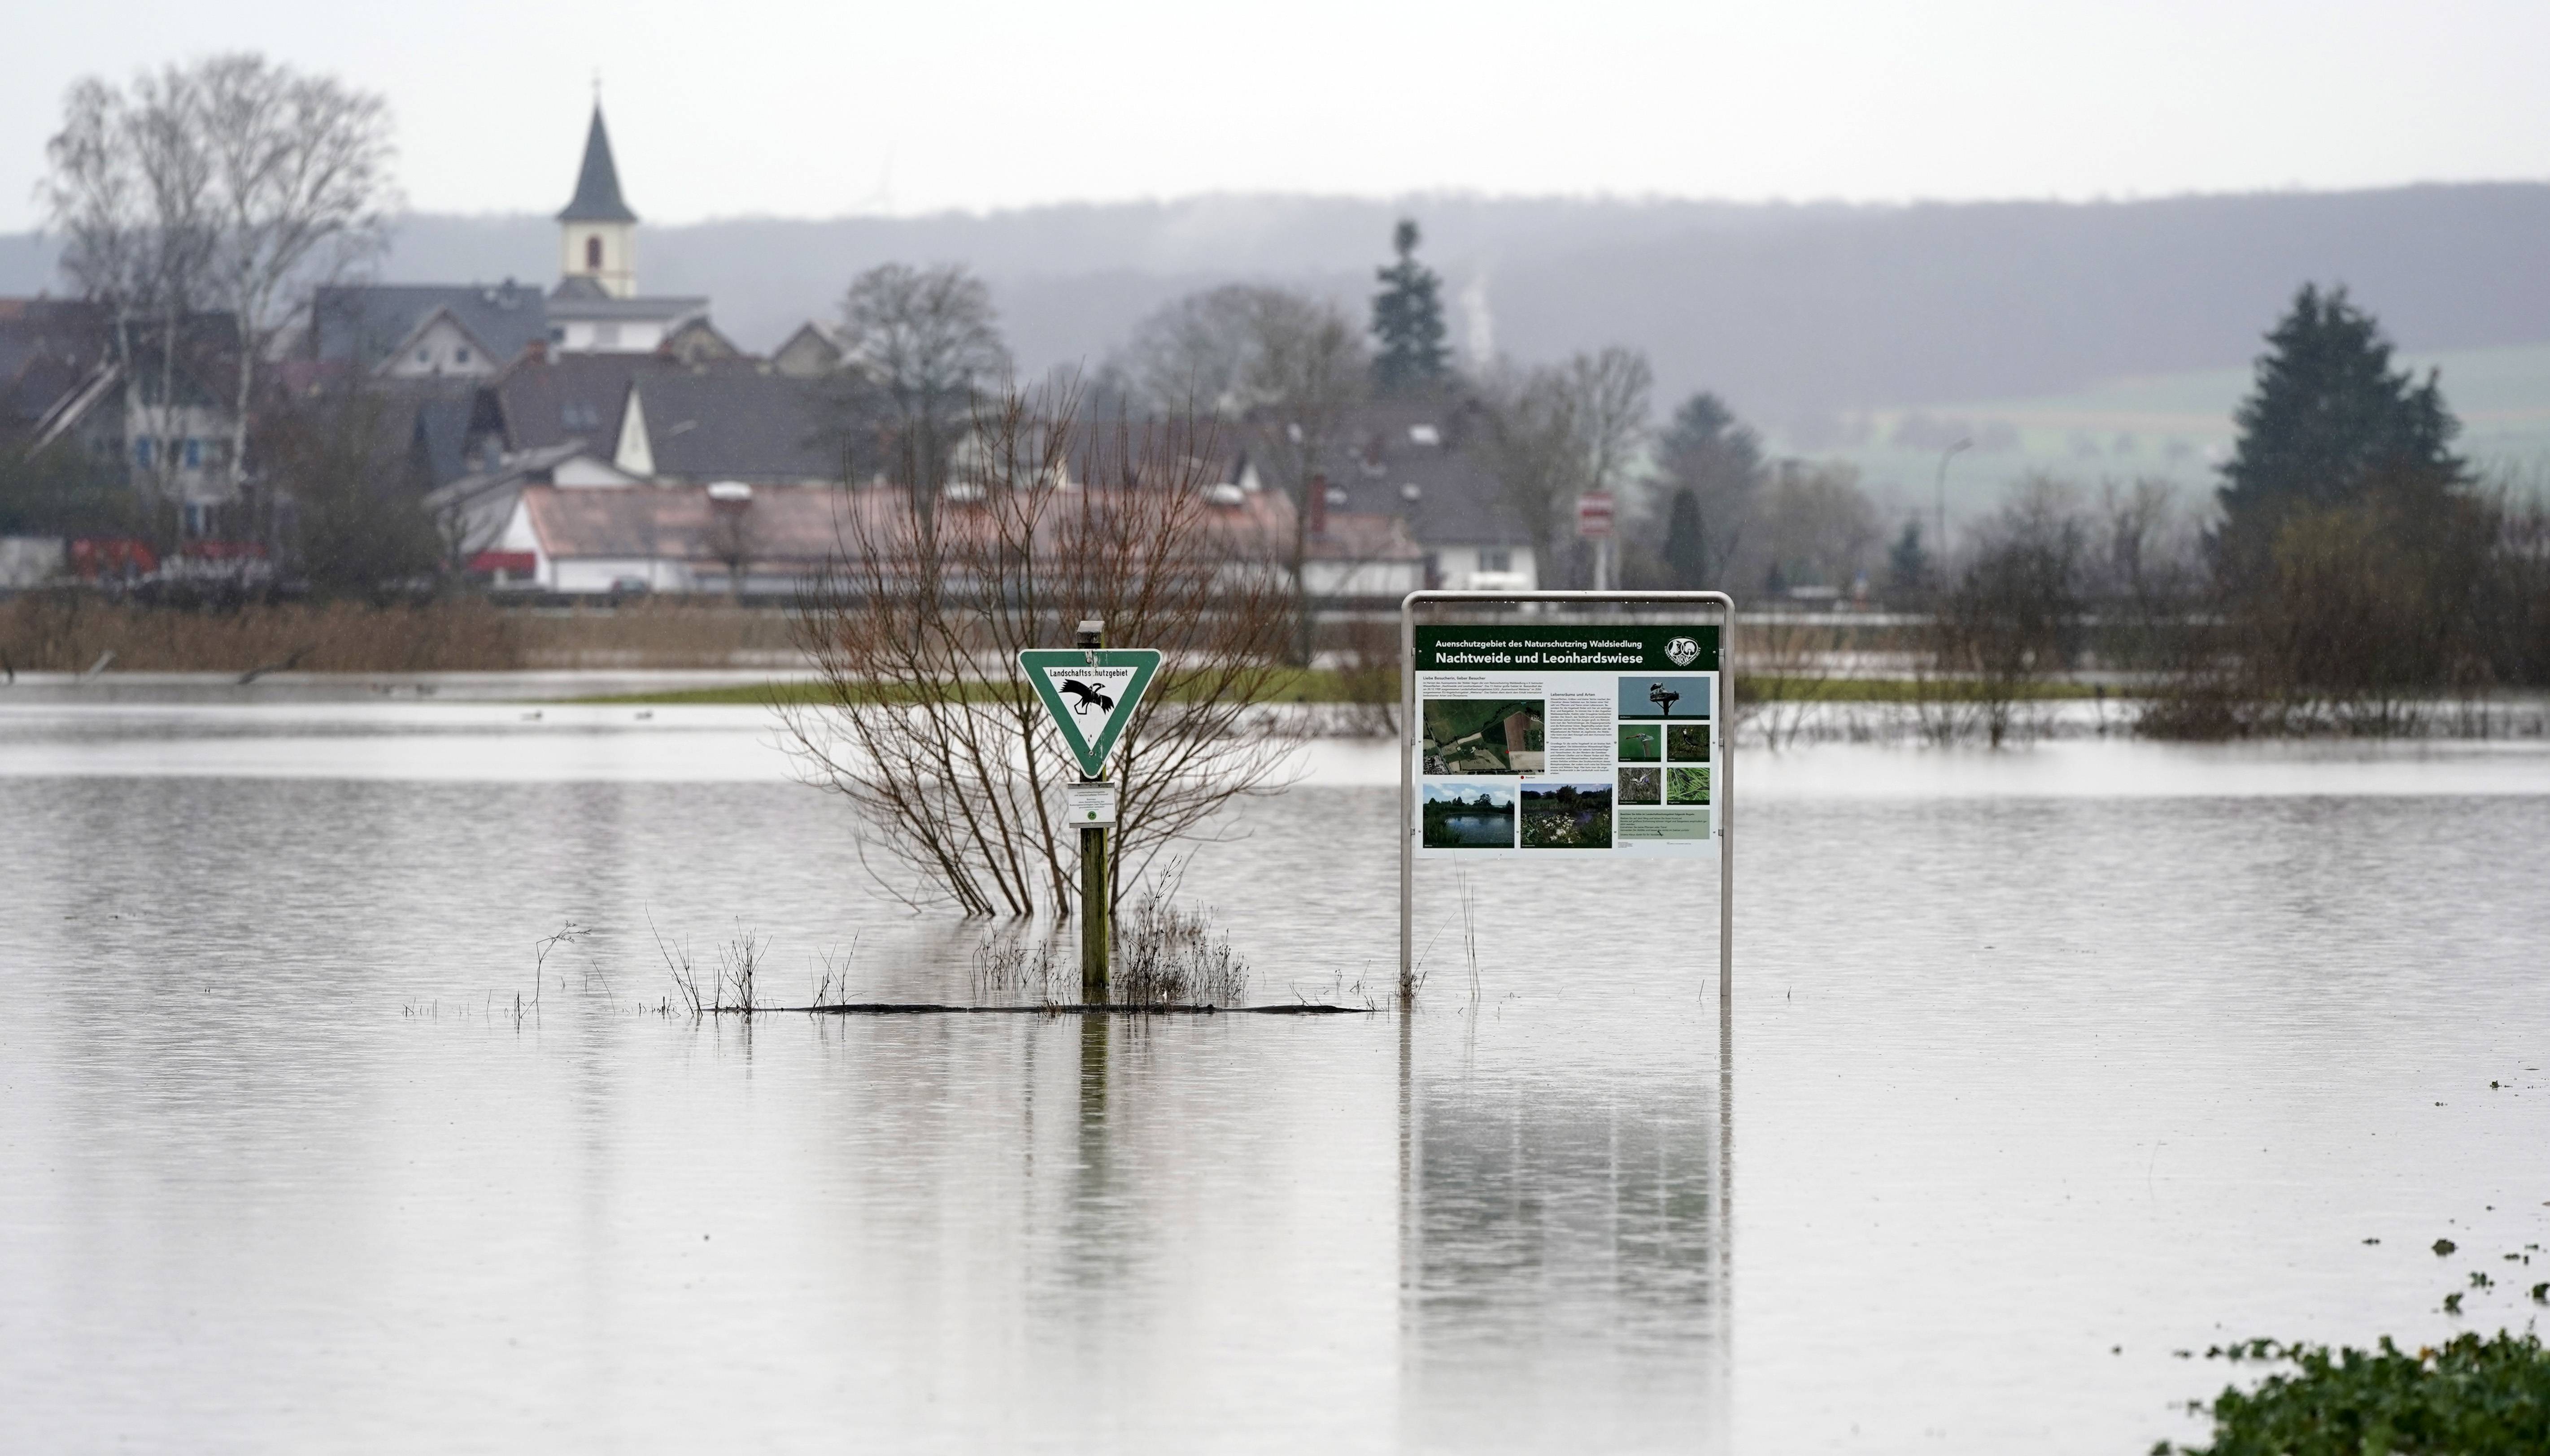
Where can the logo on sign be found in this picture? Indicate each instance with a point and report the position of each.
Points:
(1682, 651)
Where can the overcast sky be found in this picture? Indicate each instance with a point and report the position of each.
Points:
(819, 109)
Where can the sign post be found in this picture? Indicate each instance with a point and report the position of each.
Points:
(1594, 524)
(1091, 692)
(1560, 725)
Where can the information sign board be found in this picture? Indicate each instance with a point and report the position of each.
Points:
(1547, 739)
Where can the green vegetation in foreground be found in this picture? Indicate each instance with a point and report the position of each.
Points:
(2468, 1398)
(1295, 685)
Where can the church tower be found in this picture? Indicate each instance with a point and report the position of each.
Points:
(598, 234)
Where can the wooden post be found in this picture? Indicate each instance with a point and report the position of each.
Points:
(1094, 894)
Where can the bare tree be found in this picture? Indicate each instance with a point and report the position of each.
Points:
(302, 189)
(1818, 527)
(1532, 448)
(925, 721)
(353, 531)
(232, 181)
(1196, 355)
(1612, 389)
(920, 347)
(1558, 432)
(128, 184)
(731, 536)
(1287, 367)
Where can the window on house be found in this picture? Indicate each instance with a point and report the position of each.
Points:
(460, 357)
(425, 356)
(194, 519)
(1495, 558)
(593, 255)
(606, 336)
(194, 454)
(142, 451)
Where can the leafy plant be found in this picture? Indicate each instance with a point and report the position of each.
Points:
(2470, 1397)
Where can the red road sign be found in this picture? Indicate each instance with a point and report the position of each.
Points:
(1594, 516)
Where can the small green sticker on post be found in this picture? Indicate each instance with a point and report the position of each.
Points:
(1090, 694)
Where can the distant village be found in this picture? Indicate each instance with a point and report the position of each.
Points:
(590, 439)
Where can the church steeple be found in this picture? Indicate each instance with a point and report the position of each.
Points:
(598, 231)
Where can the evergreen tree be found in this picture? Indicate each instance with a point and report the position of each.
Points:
(1711, 458)
(2328, 422)
(1908, 565)
(1686, 547)
(1408, 321)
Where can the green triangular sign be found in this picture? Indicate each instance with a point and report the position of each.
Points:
(1091, 692)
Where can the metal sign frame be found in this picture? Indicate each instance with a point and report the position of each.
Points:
(1722, 792)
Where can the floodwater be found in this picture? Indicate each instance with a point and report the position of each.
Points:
(2042, 1066)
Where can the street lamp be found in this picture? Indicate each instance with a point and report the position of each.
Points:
(1943, 486)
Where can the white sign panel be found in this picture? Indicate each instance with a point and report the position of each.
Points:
(1089, 806)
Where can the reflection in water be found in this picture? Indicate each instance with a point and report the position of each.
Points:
(1551, 1231)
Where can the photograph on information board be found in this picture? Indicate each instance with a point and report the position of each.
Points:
(1535, 738)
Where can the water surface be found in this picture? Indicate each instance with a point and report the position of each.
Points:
(2043, 1066)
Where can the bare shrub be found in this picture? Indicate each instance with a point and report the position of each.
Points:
(1790, 677)
(2363, 618)
(2011, 622)
(1169, 956)
(925, 720)
(1009, 971)
(1367, 668)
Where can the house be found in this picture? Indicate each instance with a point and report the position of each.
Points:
(407, 331)
(474, 330)
(734, 421)
(475, 514)
(723, 538)
(808, 354)
(595, 307)
(1414, 464)
(565, 521)
(153, 409)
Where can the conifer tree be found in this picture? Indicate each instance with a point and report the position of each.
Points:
(2328, 422)
(1686, 550)
(1408, 321)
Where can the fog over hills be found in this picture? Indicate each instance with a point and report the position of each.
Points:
(1790, 311)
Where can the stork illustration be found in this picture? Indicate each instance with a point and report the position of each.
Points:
(1663, 697)
(1089, 696)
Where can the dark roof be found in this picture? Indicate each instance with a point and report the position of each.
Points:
(1378, 454)
(736, 420)
(47, 348)
(580, 297)
(440, 439)
(597, 186)
(364, 323)
(547, 401)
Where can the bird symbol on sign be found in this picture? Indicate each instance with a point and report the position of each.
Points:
(1089, 696)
